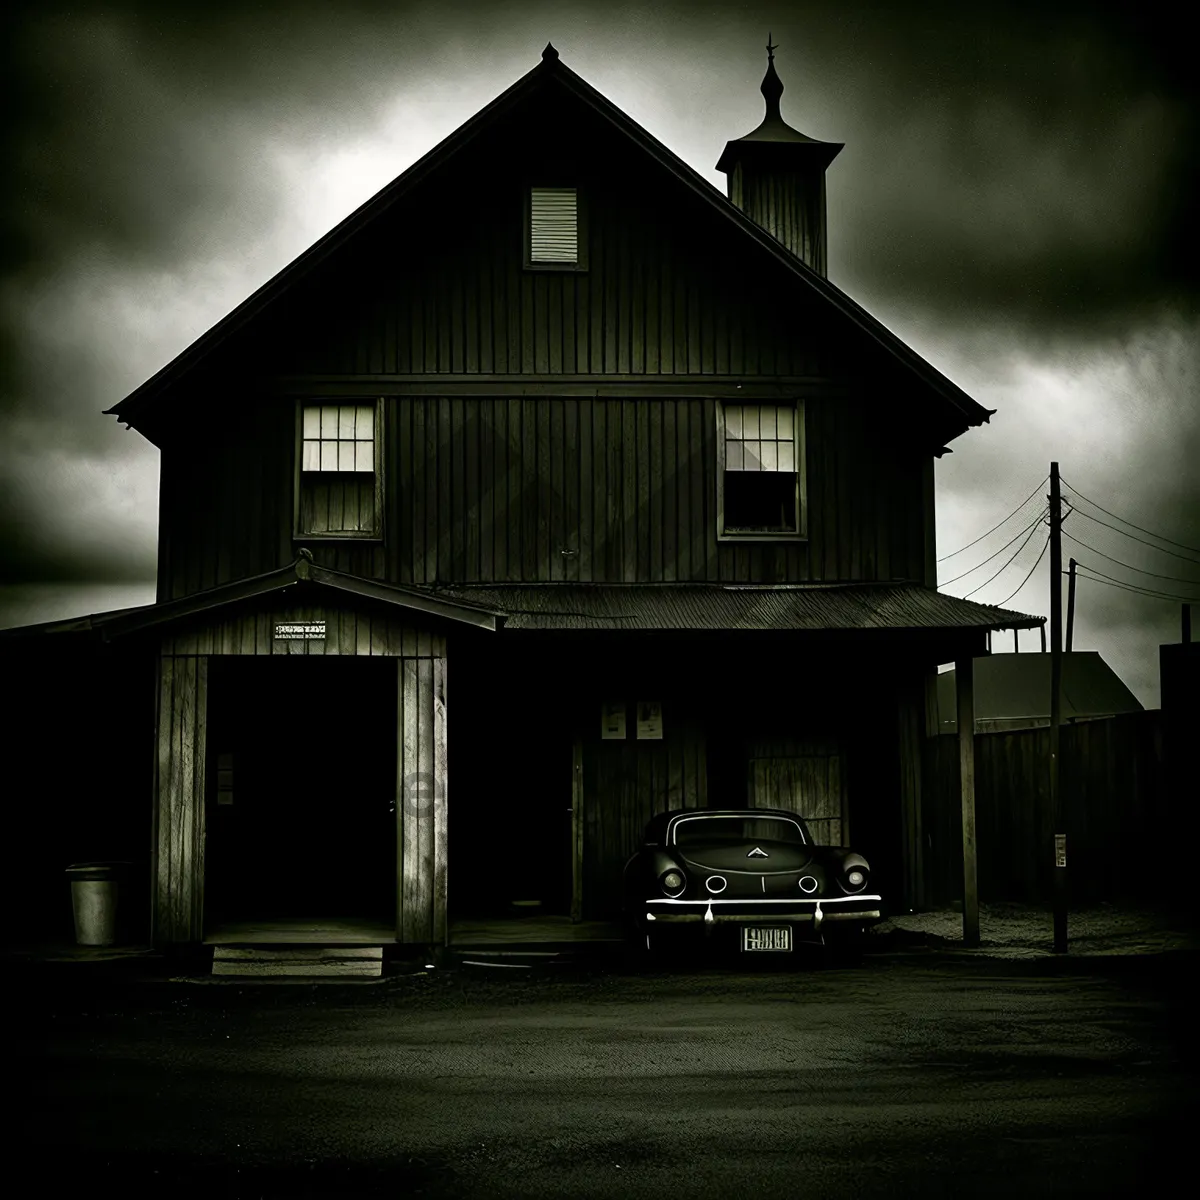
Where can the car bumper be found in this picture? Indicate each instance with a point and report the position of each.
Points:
(813, 915)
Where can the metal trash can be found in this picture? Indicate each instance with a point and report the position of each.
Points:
(94, 894)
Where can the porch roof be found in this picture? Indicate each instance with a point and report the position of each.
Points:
(303, 571)
(735, 606)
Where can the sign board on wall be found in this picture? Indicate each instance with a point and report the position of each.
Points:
(299, 631)
(612, 721)
(649, 720)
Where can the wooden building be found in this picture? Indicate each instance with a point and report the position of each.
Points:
(551, 489)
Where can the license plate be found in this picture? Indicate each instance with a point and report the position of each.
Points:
(767, 937)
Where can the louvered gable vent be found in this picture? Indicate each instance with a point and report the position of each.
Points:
(553, 225)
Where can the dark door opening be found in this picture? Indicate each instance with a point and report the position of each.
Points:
(510, 795)
(301, 788)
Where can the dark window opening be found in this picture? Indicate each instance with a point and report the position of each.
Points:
(760, 502)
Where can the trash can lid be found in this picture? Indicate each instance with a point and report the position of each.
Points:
(96, 870)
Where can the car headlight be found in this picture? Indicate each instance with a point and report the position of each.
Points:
(672, 881)
(856, 879)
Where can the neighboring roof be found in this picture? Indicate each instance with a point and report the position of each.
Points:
(1012, 687)
(718, 606)
(124, 621)
(549, 73)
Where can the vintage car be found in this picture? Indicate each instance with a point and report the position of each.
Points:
(745, 878)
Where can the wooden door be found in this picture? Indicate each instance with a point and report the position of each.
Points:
(804, 778)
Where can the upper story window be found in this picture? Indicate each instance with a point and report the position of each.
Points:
(339, 437)
(554, 229)
(339, 480)
(761, 492)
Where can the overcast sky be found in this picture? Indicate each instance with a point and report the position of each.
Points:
(1013, 200)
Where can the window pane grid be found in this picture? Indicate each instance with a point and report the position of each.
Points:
(759, 437)
(338, 437)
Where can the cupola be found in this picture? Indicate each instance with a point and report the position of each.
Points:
(776, 176)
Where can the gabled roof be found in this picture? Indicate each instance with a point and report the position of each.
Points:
(121, 622)
(549, 75)
(1012, 688)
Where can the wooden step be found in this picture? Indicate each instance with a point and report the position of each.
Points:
(258, 961)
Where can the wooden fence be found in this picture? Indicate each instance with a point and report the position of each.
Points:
(1111, 776)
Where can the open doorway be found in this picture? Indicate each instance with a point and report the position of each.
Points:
(300, 789)
(510, 832)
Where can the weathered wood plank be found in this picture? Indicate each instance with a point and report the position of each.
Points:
(439, 851)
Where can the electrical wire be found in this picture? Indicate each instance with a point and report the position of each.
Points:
(1109, 581)
(993, 529)
(1128, 567)
(1045, 546)
(1106, 525)
(1007, 564)
(1002, 549)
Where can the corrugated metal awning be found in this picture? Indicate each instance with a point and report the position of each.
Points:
(716, 606)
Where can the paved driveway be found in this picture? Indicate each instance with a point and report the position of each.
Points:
(903, 1077)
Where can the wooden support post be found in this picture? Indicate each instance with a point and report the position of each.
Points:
(1056, 804)
(177, 908)
(964, 671)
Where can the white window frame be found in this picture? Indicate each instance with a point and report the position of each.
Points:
(799, 459)
(300, 473)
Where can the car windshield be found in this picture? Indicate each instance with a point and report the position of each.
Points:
(692, 831)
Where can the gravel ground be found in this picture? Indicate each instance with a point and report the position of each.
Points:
(1024, 931)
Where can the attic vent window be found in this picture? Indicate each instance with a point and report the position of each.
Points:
(553, 226)
(760, 476)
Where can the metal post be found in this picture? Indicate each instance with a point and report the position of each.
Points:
(964, 673)
(1070, 605)
(1056, 804)
(1187, 624)
(1016, 644)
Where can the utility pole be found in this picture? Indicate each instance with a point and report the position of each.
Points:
(1056, 804)
(1070, 605)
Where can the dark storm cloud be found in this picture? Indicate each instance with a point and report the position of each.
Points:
(1037, 165)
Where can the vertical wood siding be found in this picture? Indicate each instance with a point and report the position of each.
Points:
(624, 784)
(806, 777)
(179, 786)
(459, 300)
(553, 489)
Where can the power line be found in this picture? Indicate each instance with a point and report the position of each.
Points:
(1109, 581)
(995, 527)
(1142, 541)
(1128, 567)
(1002, 549)
(1007, 564)
(1160, 537)
(1045, 547)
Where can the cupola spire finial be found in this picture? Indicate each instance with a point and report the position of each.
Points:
(772, 85)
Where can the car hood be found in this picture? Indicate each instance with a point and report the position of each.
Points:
(741, 856)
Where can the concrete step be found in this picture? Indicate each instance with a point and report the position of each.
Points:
(259, 961)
